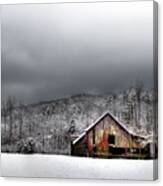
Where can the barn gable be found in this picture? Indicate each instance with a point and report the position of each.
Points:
(107, 114)
(107, 137)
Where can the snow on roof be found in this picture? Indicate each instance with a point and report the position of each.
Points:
(124, 127)
(77, 139)
(99, 119)
(94, 123)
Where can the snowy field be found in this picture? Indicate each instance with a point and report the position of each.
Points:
(74, 167)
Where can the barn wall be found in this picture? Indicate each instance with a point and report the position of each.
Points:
(96, 139)
(102, 130)
(80, 148)
(122, 138)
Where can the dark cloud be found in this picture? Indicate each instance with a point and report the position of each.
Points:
(50, 51)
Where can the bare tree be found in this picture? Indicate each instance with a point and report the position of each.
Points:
(4, 114)
(10, 107)
(139, 89)
(20, 118)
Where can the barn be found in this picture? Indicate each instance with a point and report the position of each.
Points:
(108, 138)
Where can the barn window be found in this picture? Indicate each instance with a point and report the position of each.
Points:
(111, 139)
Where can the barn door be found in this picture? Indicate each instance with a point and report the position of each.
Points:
(111, 143)
(111, 140)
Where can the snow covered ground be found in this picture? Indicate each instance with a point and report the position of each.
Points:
(75, 167)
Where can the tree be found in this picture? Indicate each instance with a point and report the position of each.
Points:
(139, 89)
(20, 118)
(4, 114)
(10, 108)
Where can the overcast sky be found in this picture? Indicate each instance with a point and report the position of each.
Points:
(55, 50)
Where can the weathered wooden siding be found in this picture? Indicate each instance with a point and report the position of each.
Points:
(96, 140)
(102, 131)
(80, 148)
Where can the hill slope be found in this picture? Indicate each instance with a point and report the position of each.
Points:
(50, 124)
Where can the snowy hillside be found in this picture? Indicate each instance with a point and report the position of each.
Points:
(50, 124)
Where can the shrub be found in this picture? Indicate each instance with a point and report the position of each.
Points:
(28, 146)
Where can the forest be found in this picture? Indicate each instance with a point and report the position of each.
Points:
(48, 127)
